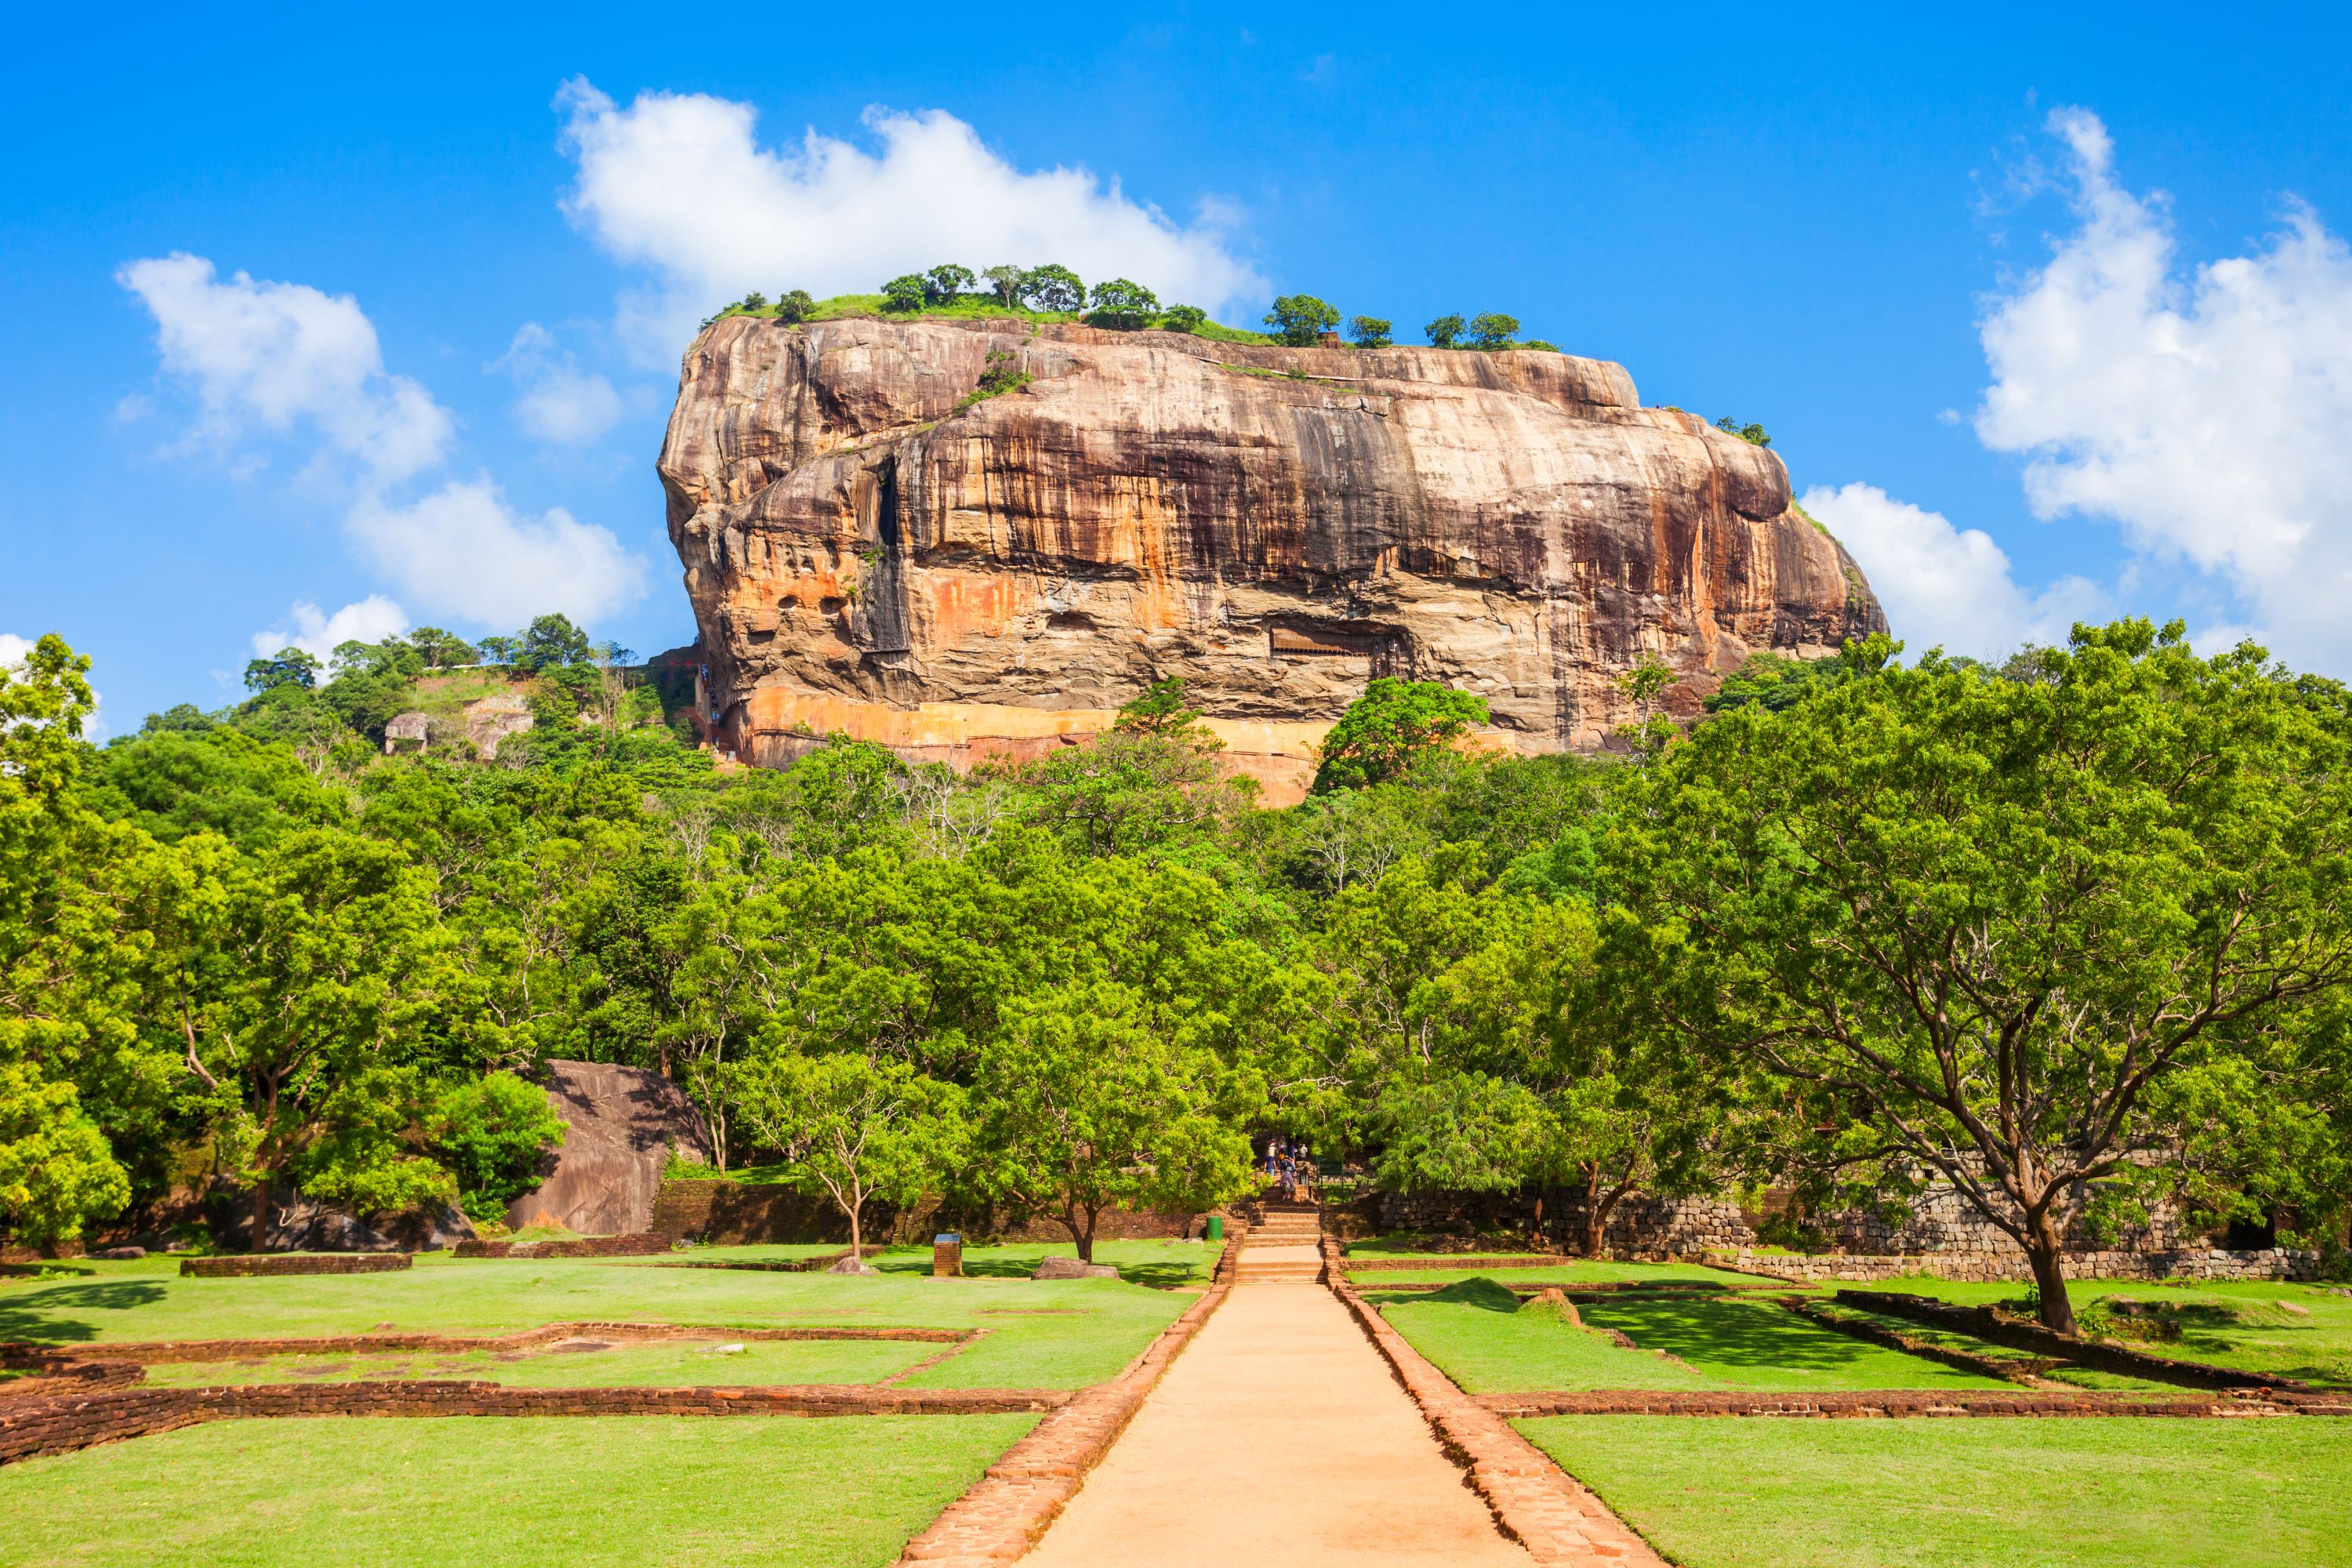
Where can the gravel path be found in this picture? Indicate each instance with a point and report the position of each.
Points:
(1278, 1437)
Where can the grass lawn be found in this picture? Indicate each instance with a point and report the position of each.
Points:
(2223, 1324)
(2110, 1493)
(1477, 1335)
(492, 1492)
(1575, 1271)
(1050, 1333)
(758, 1363)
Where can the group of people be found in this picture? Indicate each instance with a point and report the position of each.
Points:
(1291, 1162)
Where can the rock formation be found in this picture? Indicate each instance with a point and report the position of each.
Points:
(620, 1125)
(869, 548)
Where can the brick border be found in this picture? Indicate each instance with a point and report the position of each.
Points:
(1900, 1402)
(248, 1265)
(1018, 1496)
(1998, 1327)
(1534, 1501)
(37, 1427)
(159, 1353)
(634, 1244)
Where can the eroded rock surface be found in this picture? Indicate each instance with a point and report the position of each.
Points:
(867, 551)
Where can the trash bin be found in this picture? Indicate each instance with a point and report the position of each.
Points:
(947, 1255)
(1216, 1229)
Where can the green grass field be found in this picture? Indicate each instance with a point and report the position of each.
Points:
(757, 1363)
(491, 1492)
(1575, 1271)
(1476, 1334)
(2111, 1493)
(2254, 1327)
(1046, 1333)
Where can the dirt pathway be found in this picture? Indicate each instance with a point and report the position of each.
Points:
(1278, 1437)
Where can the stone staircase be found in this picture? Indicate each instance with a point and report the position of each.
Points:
(1284, 1243)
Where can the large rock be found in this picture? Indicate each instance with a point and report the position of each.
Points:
(1060, 1268)
(622, 1124)
(865, 553)
(300, 1224)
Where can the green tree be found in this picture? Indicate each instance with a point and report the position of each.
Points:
(904, 293)
(1444, 331)
(1751, 433)
(1492, 330)
(1086, 1103)
(1301, 319)
(794, 307)
(1183, 318)
(851, 1127)
(943, 284)
(1004, 282)
(755, 300)
(60, 998)
(1982, 928)
(552, 642)
(1123, 306)
(490, 1133)
(322, 984)
(1393, 722)
(1371, 332)
(440, 649)
(1052, 286)
(286, 667)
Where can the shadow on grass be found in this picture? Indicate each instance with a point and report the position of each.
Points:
(30, 1316)
(1158, 1276)
(1728, 1333)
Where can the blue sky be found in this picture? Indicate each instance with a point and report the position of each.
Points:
(2049, 316)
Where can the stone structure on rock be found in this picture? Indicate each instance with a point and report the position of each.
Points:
(871, 549)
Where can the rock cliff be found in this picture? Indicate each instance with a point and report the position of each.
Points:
(869, 548)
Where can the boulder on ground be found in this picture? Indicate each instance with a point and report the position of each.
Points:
(852, 1263)
(621, 1124)
(120, 1254)
(1059, 1267)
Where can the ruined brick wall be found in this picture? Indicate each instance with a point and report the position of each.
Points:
(252, 1263)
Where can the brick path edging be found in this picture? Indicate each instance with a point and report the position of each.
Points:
(1534, 1501)
(32, 1428)
(1004, 1512)
(16, 1353)
(248, 1265)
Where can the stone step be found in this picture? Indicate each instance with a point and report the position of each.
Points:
(1271, 1269)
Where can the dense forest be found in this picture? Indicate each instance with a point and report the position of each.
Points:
(2077, 924)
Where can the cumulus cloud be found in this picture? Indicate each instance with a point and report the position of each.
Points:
(678, 184)
(1944, 586)
(269, 356)
(464, 551)
(308, 627)
(558, 403)
(2201, 409)
(13, 649)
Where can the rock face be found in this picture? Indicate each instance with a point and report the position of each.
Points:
(621, 1124)
(869, 550)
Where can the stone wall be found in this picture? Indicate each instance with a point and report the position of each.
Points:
(748, 1214)
(2275, 1263)
(641, 1244)
(1941, 1223)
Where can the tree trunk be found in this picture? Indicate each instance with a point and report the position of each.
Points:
(857, 1230)
(2048, 1275)
(1086, 1239)
(261, 1214)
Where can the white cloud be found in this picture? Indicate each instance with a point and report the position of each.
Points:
(678, 182)
(463, 551)
(268, 355)
(1944, 586)
(371, 619)
(559, 405)
(14, 649)
(2203, 409)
